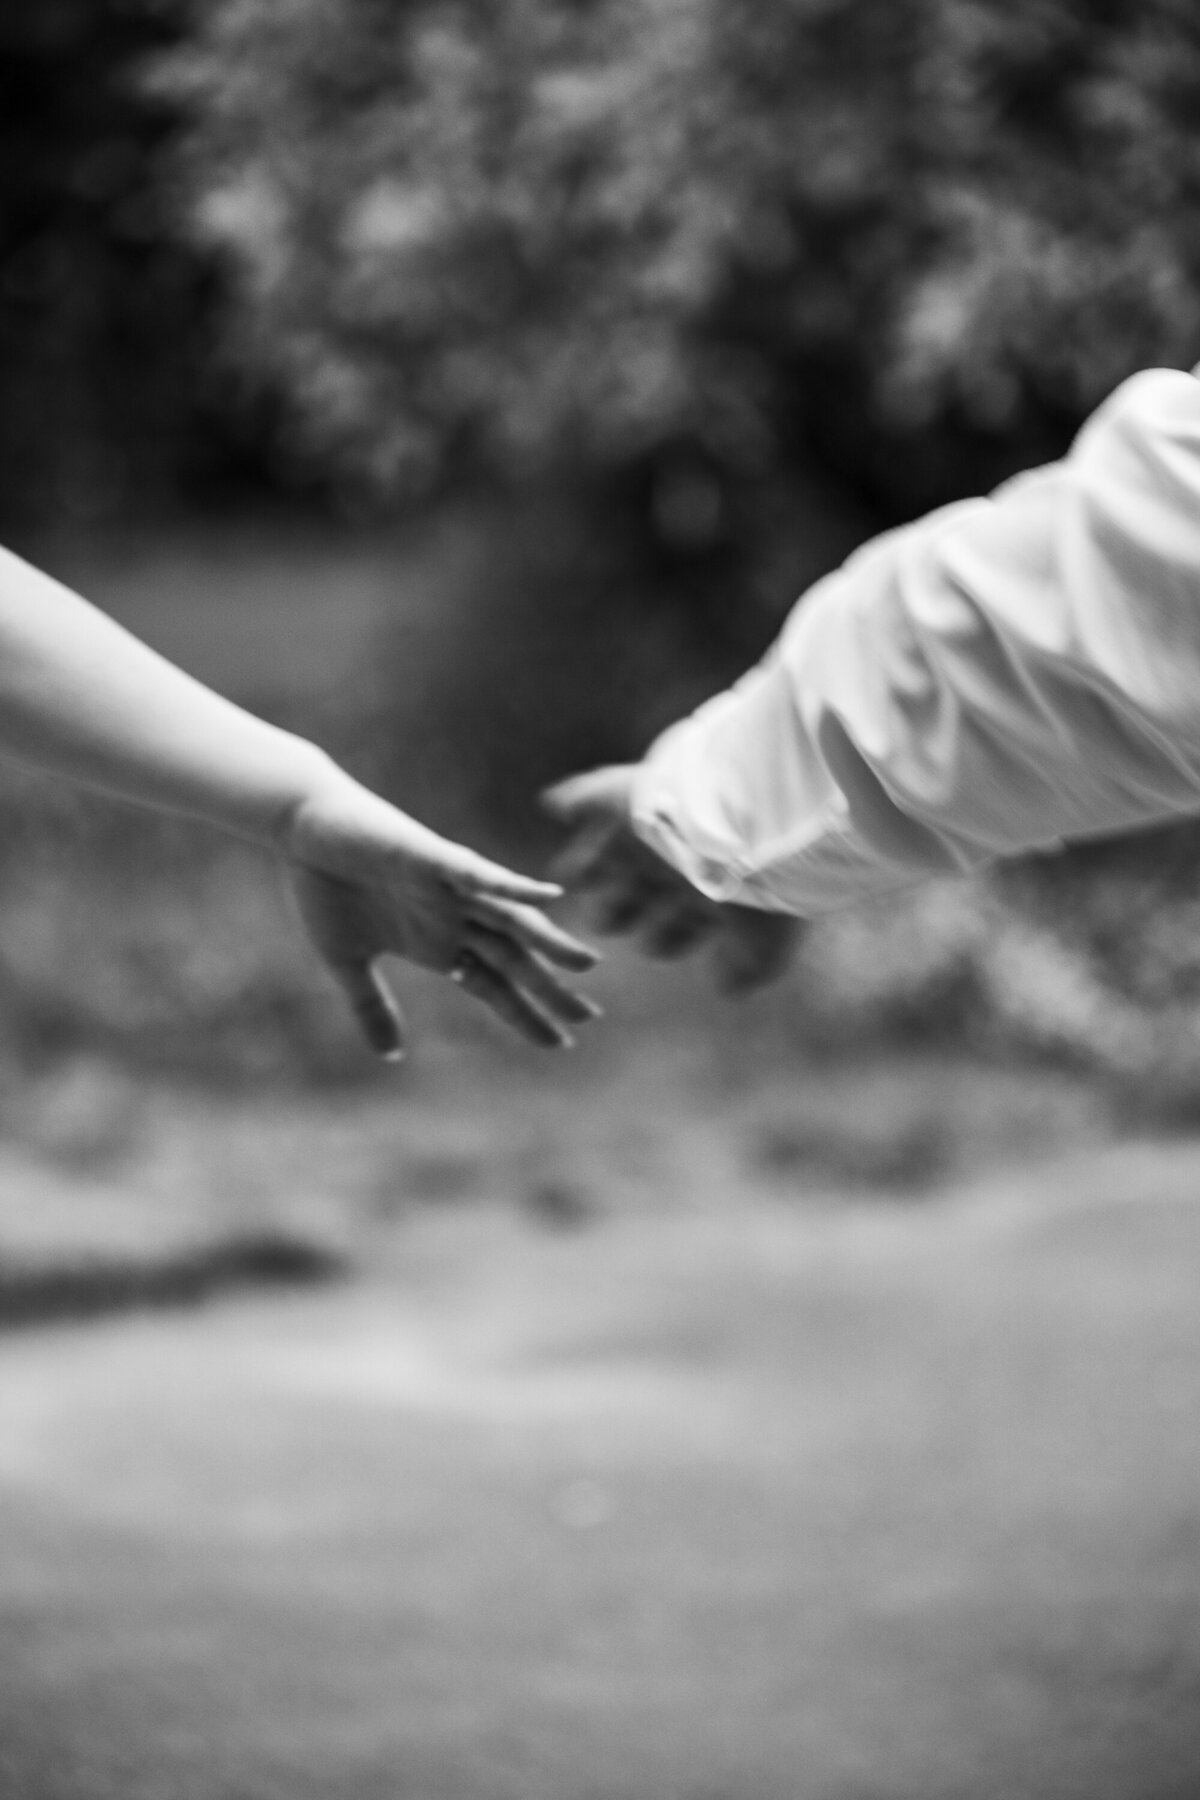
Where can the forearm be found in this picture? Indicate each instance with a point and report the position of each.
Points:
(995, 678)
(83, 699)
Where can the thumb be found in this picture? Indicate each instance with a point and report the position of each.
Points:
(373, 1005)
(598, 793)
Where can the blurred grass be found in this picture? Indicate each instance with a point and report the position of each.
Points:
(756, 1502)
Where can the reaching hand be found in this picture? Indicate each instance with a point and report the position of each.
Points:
(640, 893)
(370, 882)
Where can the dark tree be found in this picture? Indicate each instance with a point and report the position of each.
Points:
(105, 401)
(709, 239)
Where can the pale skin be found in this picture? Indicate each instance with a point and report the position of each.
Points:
(637, 893)
(83, 699)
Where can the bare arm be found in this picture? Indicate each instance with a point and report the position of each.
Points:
(83, 699)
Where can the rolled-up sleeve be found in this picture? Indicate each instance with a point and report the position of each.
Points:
(1002, 675)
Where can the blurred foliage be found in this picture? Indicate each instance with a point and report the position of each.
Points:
(702, 245)
(731, 283)
(109, 402)
(683, 254)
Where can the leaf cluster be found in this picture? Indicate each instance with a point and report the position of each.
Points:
(912, 239)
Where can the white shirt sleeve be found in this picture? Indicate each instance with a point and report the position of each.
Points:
(999, 676)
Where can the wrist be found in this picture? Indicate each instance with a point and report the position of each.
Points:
(312, 781)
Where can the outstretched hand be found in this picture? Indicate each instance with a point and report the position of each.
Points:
(370, 882)
(639, 893)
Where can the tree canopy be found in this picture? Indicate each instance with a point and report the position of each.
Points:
(911, 240)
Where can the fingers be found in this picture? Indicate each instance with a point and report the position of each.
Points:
(676, 926)
(526, 925)
(510, 1003)
(602, 845)
(627, 880)
(592, 855)
(598, 791)
(372, 1004)
(753, 948)
(627, 905)
(473, 875)
(524, 970)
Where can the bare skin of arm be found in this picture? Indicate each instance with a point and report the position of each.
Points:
(83, 699)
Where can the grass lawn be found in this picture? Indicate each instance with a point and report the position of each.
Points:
(747, 1492)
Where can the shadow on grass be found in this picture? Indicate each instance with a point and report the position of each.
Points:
(92, 1289)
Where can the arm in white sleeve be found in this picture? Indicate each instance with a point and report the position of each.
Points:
(1002, 675)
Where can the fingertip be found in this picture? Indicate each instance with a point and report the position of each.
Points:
(579, 865)
(548, 1033)
(580, 958)
(380, 1016)
(521, 888)
(578, 793)
(381, 1028)
(531, 928)
(556, 800)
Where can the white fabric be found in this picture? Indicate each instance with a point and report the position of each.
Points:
(1001, 675)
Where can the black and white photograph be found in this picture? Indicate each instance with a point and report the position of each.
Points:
(599, 900)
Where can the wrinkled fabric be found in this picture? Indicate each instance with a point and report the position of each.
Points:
(1002, 675)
